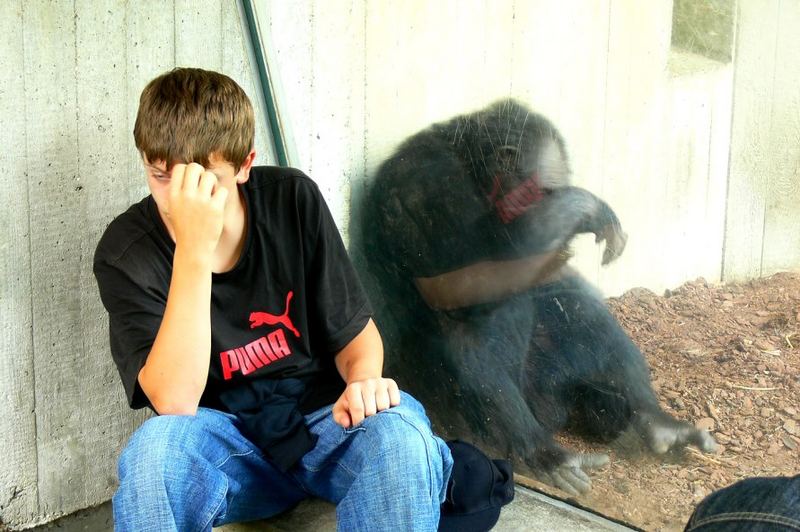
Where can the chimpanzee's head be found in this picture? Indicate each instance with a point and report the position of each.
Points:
(512, 145)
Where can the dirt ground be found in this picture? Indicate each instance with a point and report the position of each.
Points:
(726, 358)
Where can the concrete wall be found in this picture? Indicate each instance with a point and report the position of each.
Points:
(70, 76)
(648, 128)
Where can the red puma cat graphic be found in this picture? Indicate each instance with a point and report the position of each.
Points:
(257, 319)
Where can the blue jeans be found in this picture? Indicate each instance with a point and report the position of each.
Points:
(754, 504)
(189, 473)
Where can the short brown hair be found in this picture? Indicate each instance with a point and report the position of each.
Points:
(187, 114)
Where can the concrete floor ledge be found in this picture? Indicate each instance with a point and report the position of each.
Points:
(529, 511)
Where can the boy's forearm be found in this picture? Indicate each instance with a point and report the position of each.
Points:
(362, 358)
(176, 371)
(361, 365)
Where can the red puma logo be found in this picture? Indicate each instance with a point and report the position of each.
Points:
(257, 319)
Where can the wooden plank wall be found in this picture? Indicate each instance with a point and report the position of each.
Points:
(762, 230)
(70, 80)
(782, 218)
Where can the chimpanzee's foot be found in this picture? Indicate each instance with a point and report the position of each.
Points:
(564, 469)
(662, 433)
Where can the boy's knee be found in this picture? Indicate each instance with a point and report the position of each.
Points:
(165, 474)
(159, 441)
(403, 437)
(403, 425)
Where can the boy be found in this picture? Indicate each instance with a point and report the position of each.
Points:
(246, 264)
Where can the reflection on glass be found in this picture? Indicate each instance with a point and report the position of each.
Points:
(468, 228)
(679, 119)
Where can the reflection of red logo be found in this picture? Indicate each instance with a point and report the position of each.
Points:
(257, 319)
(517, 201)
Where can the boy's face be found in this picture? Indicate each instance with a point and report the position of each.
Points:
(159, 178)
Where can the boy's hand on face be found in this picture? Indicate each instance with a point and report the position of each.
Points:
(196, 207)
(365, 398)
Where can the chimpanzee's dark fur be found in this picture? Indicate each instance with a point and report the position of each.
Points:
(512, 372)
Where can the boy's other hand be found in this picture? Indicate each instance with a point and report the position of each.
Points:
(196, 207)
(365, 398)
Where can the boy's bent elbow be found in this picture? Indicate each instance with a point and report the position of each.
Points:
(171, 398)
(172, 407)
(177, 411)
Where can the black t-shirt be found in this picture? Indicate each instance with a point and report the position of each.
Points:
(292, 301)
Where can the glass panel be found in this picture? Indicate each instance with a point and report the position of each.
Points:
(502, 169)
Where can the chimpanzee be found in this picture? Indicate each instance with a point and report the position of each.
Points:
(466, 229)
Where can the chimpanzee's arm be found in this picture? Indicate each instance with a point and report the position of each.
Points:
(563, 213)
(488, 281)
(529, 251)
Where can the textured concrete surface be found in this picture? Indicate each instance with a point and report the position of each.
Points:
(69, 90)
(529, 511)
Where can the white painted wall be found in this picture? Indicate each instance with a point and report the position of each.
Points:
(356, 77)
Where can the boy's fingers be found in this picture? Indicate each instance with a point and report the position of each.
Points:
(370, 402)
(191, 177)
(341, 418)
(340, 414)
(208, 182)
(176, 179)
(218, 197)
(355, 404)
(382, 401)
(363, 399)
(394, 392)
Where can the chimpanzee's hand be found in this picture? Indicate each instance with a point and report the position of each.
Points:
(615, 239)
(565, 470)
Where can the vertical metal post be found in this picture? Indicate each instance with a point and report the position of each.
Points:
(273, 118)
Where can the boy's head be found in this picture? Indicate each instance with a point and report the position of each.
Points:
(188, 114)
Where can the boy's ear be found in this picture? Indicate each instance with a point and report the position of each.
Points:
(244, 171)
